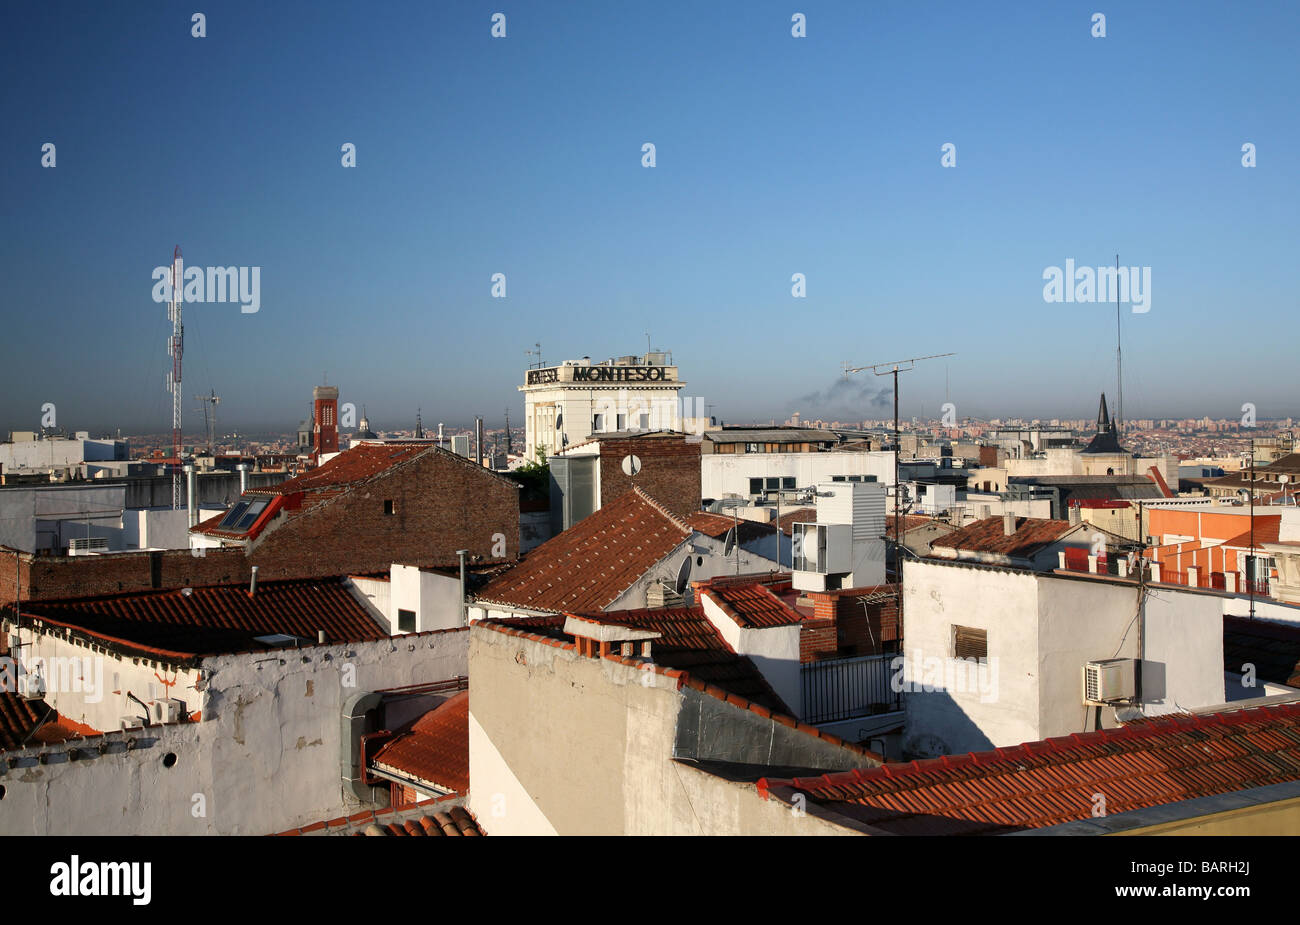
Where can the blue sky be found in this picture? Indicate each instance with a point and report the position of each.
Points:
(522, 155)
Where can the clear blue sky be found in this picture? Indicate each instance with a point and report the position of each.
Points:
(522, 155)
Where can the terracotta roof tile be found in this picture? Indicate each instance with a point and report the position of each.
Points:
(1148, 763)
(589, 565)
(987, 535)
(436, 749)
(216, 619)
(755, 605)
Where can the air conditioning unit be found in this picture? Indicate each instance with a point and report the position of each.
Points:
(130, 721)
(82, 546)
(167, 710)
(31, 686)
(1111, 680)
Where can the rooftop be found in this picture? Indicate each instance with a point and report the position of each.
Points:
(688, 642)
(589, 566)
(1148, 763)
(436, 748)
(989, 536)
(218, 619)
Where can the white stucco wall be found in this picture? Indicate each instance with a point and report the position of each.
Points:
(950, 718)
(729, 473)
(265, 758)
(434, 597)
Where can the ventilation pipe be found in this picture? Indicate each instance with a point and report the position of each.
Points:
(320, 637)
(252, 582)
(243, 477)
(191, 486)
(478, 440)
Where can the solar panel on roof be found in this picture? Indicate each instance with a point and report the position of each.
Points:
(228, 522)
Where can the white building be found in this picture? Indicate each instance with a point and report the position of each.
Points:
(995, 656)
(566, 404)
(751, 475)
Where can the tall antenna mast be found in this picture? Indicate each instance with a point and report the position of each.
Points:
(210, 419)
(1119, 357)
(175, 347)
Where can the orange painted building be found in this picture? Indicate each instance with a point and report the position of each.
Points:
(1213, 542)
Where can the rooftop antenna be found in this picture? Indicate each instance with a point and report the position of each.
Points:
(537, 353)
(893, 368)
(508, 447)
(1119, 357)
(647, 343)
(175, 347)
(210, 420)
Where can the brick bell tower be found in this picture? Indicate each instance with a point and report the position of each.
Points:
(325, 420)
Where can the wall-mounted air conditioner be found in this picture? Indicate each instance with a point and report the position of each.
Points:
(130, 721)
(166, 711)
(31, 686)
(1111, 680)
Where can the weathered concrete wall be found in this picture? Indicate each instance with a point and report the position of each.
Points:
(265, 758)
(563, 744)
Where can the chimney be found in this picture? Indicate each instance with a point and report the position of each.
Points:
(1076, 515)
(243, 477)
(1009, 524)
(191, 480)
(252, 582)
(320, 637)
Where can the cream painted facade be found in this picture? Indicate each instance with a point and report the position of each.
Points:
(567, 404)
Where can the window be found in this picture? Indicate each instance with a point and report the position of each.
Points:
(837, 478)
(751, 447)
(598, 423)
(968, 642)
(406, 621)
(228, 522)
(755, 486)
(787, 482)
(390, 507)
(250, 515)
(773, 484)
(622, 422)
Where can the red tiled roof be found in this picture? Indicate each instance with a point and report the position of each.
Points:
(589, 565)
(803, 515)
(354, 465)
(691, 643)
(436, 749)
(755, 605)
(216, 619)
(433, 818)
(988, 536)
(1148, 763)
(911, 522)
(19, 716)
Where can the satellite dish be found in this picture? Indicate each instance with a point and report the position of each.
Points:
(631, 465)
(683, 575)
(729, 544)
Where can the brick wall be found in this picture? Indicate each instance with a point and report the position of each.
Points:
(670, 471)
(843, 628)
(45, 577)
(442, 503)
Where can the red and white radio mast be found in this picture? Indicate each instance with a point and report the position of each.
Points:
(175, 347)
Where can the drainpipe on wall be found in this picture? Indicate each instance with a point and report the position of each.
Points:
(460, 554)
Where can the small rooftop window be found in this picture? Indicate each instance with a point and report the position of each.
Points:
(277, 640)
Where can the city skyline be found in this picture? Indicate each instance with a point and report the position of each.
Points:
(382, 274)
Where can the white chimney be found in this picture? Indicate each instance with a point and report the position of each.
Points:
(191, 480)
(1009, 524)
